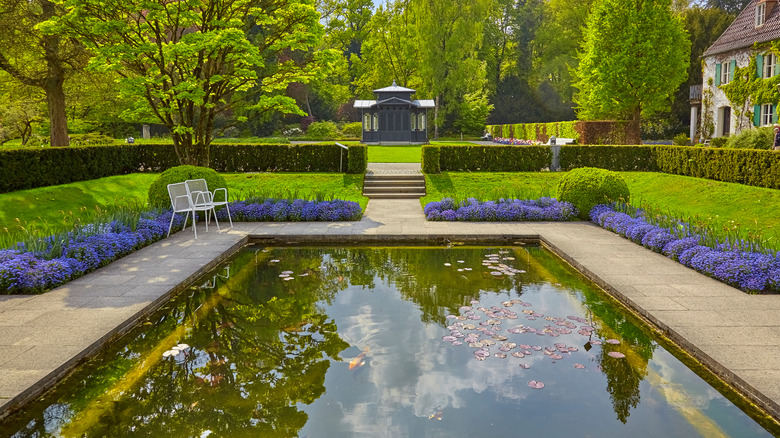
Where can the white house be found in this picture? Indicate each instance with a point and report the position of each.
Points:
(748, 36)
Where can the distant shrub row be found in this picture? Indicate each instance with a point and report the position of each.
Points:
(595, 132)
(28, 168)
(753, 167)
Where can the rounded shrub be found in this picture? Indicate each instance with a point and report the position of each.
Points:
(158, 191)
(755, 138)
(587, 187)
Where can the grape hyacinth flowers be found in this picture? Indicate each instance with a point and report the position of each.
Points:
(63, 258)
(503, 210)
(729, 262)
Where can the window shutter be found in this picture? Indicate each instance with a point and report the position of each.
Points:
(732, 69)
(717, 74)
(774, 113)
(759, 66)
(756, 115)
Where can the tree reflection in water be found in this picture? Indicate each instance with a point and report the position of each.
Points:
(264, 346)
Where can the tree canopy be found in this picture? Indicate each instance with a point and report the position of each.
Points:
(187, 61)
(634, 56)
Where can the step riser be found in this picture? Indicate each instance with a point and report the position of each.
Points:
(394, 178)
(394, 186)
(395, 196)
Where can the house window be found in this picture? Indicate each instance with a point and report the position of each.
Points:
(367, 121)
(414, 121)
(725, 73)
(376, 122)
(769, 65)
(421, 122)
(760, 14)
(767, 114)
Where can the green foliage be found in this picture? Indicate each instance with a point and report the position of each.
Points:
(753, 167)
(536, 131)
(26, 168)
(90, 139)
(719, 142)
(587, 187)
(158, 191)
(617, 158)
(217, 66)
(681, 140)
(326, 130)
(634, 56)
(493, 158)
(431, 156)
(357, 159)
(755, 138)
(352, 130)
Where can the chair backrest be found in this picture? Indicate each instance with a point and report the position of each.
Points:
(180, 196)
(197, 185)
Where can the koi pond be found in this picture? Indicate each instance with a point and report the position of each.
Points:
(395, 341)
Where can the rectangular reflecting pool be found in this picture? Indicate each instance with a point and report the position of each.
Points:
(494, 341)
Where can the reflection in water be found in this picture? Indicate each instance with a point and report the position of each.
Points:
(326, 342)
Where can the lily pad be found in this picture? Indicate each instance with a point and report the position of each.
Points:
(535, 384)
(616, 354)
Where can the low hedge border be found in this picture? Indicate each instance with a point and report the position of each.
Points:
(760, 168)
(29, 168)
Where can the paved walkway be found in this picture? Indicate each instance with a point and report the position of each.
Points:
(735, 334)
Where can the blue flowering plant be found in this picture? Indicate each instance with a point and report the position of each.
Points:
(40, 264)
(503, 210)
(738, 262)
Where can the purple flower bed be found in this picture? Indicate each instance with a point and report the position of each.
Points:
(503, 210)
(515, 141)
(26, 271)
(728, 262)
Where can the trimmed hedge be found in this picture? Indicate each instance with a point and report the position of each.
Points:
(584, 131)
(617, 158)
(754, 167)
(431, 159)
(28, 168)
(492, 158)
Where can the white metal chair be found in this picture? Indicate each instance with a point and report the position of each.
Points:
(198, 186)
(183, 201)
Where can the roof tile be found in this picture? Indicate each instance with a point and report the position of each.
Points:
(742, 33)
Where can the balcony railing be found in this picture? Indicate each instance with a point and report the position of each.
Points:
(695, 93)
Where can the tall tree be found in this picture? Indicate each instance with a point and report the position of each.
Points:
(191, 60)
(634, 56)
(39, 59)
(449, 33)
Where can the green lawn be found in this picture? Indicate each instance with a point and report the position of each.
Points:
(394, 154)
(57, 207)
(749, 210)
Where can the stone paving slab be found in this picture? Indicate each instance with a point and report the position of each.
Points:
(735, 334)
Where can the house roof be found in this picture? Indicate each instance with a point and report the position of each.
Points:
(743, 33)
(366, 104)
(394, 89)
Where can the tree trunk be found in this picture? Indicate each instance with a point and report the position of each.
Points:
(55, 98)
(52, 85)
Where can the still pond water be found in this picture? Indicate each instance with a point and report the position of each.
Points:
(388, 342)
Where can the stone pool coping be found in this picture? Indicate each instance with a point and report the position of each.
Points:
(736, 335)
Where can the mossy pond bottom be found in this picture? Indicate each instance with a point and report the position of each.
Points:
(388, 342)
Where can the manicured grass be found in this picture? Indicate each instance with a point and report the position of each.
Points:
(394, 154)
(733, 207)
(51, 209)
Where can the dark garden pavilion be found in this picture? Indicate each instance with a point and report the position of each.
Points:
(394, 118)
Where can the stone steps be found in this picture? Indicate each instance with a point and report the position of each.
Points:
(388, 186)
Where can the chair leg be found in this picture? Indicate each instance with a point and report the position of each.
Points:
(230, 218)
(215, 218)
(194, 222)
(171, 224)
